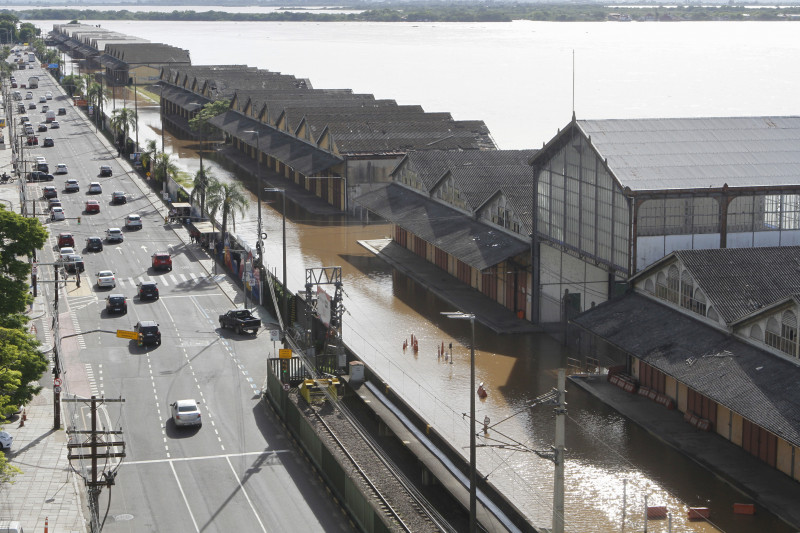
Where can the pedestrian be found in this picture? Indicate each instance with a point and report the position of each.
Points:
(191, 237)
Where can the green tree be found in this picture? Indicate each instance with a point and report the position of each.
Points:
(28, 32)
(122, 120)
(21, 367)
(73, 84)
(229, 198)
(164, 167)
(149, 154)
(203, 180)
(19, 237)
(94, 97)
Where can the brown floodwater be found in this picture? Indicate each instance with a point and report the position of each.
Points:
(612, 464)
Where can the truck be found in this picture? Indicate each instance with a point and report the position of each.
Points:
(33, 82)
(31, 58)
(240, 320)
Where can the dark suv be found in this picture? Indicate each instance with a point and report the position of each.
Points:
(105, 171)
(148, 290)
(37, 175)
(116, 303)
(148, 332)
(94, 244)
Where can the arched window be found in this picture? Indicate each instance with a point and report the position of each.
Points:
(699, 302)
(673, 284)
(756, 333)
(783, 335)
(661, 285)
(687, 290)
(649, 286)
(712, 314)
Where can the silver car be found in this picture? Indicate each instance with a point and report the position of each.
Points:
(186, 413)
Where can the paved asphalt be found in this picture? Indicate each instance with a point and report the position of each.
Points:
(238, 471)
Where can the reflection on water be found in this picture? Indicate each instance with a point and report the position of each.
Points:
(612, 465)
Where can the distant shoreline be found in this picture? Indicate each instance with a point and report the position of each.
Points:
(417, 13)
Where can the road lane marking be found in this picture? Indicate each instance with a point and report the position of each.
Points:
(247, 496)
(203, 457)
(185, 500)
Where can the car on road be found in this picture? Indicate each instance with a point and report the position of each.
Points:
(74, 264)
(48, 95)
(54, 125)
(38, 175)
(5, 441)
(64, 252)
(148, 332)
(94, 188)
(61, 168)
(32, 105)
(106, 278)
(71, 185)
(186, 413)
(42, 126)
(57, 213)
(53, 202)
(240, 320)
(92, 206)
(116, 303)
(147, 290)
(105, 171)
(29, 95)
(119, 197)
(45, 108)
(33, 140)
(48, 141)
(133, 221)
(66, 239)
(162, 261)
(94, 244)
(49, 191)
(42, 99)
(114, 235)
(62, 110)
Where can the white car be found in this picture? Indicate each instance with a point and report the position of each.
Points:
(48, 95)
(65, 252)
(5, 440)
(61, 168)
(105, 278)
(94, 188)
(133, 221)
(57, 213)
(71, 186)
(114, 235)
(42, 100)
(186, 413)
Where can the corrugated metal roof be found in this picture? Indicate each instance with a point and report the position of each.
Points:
(740, 281)
(297, 154)
(760, 386)
(698, 153)
(476, 244)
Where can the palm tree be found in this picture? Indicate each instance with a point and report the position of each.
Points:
(230, 197)
(149, 154)
(203, 180)
(122, 120)
(94, 96)
(164, 167)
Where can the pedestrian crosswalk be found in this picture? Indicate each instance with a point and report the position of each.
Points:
(174, 280)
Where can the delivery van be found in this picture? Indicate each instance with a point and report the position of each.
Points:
(10, 526)
(50, 116)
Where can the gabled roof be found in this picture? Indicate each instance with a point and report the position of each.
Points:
(758, 385)
(477, 184)
(147, 53)
(698, 153)
(430, 165)
(476, 244)
(740, 281)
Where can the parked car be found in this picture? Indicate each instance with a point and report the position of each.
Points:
(5, 441)
(57, 213)
(147, 290)
(71, 185)
(49, 191)
(38, 175)
(94, 244)
(133, 221)
(66, 239)
(61, 168)
(148, 332)
(114, 235)
(92, 206)
(116, 303)
(161, 261)
(241, 320)
(106, 278)
(105, 171)
(74, 264)
(186, 413)
(48, 141)
(94, 188)
(119, 197)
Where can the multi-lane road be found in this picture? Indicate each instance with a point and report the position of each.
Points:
(238, 471)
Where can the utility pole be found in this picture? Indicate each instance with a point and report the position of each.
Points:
(558, 459)
(94, 443)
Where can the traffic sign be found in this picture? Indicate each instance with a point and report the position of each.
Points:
(274, 334)
(57, 382)
(285, 353)
(286, 387)
(122, 334)
(56, 389)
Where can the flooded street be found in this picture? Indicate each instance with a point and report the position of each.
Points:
(612, 465)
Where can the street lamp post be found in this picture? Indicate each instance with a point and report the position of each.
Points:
(259, 245)
(473, 522)
(283, 240)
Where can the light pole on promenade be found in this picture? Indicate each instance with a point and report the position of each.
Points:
(283, 240)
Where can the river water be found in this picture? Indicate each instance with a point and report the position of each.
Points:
(518, 78)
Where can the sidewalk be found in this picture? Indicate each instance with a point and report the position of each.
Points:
(766, 487)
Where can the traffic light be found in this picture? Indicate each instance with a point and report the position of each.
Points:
(79, 220)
